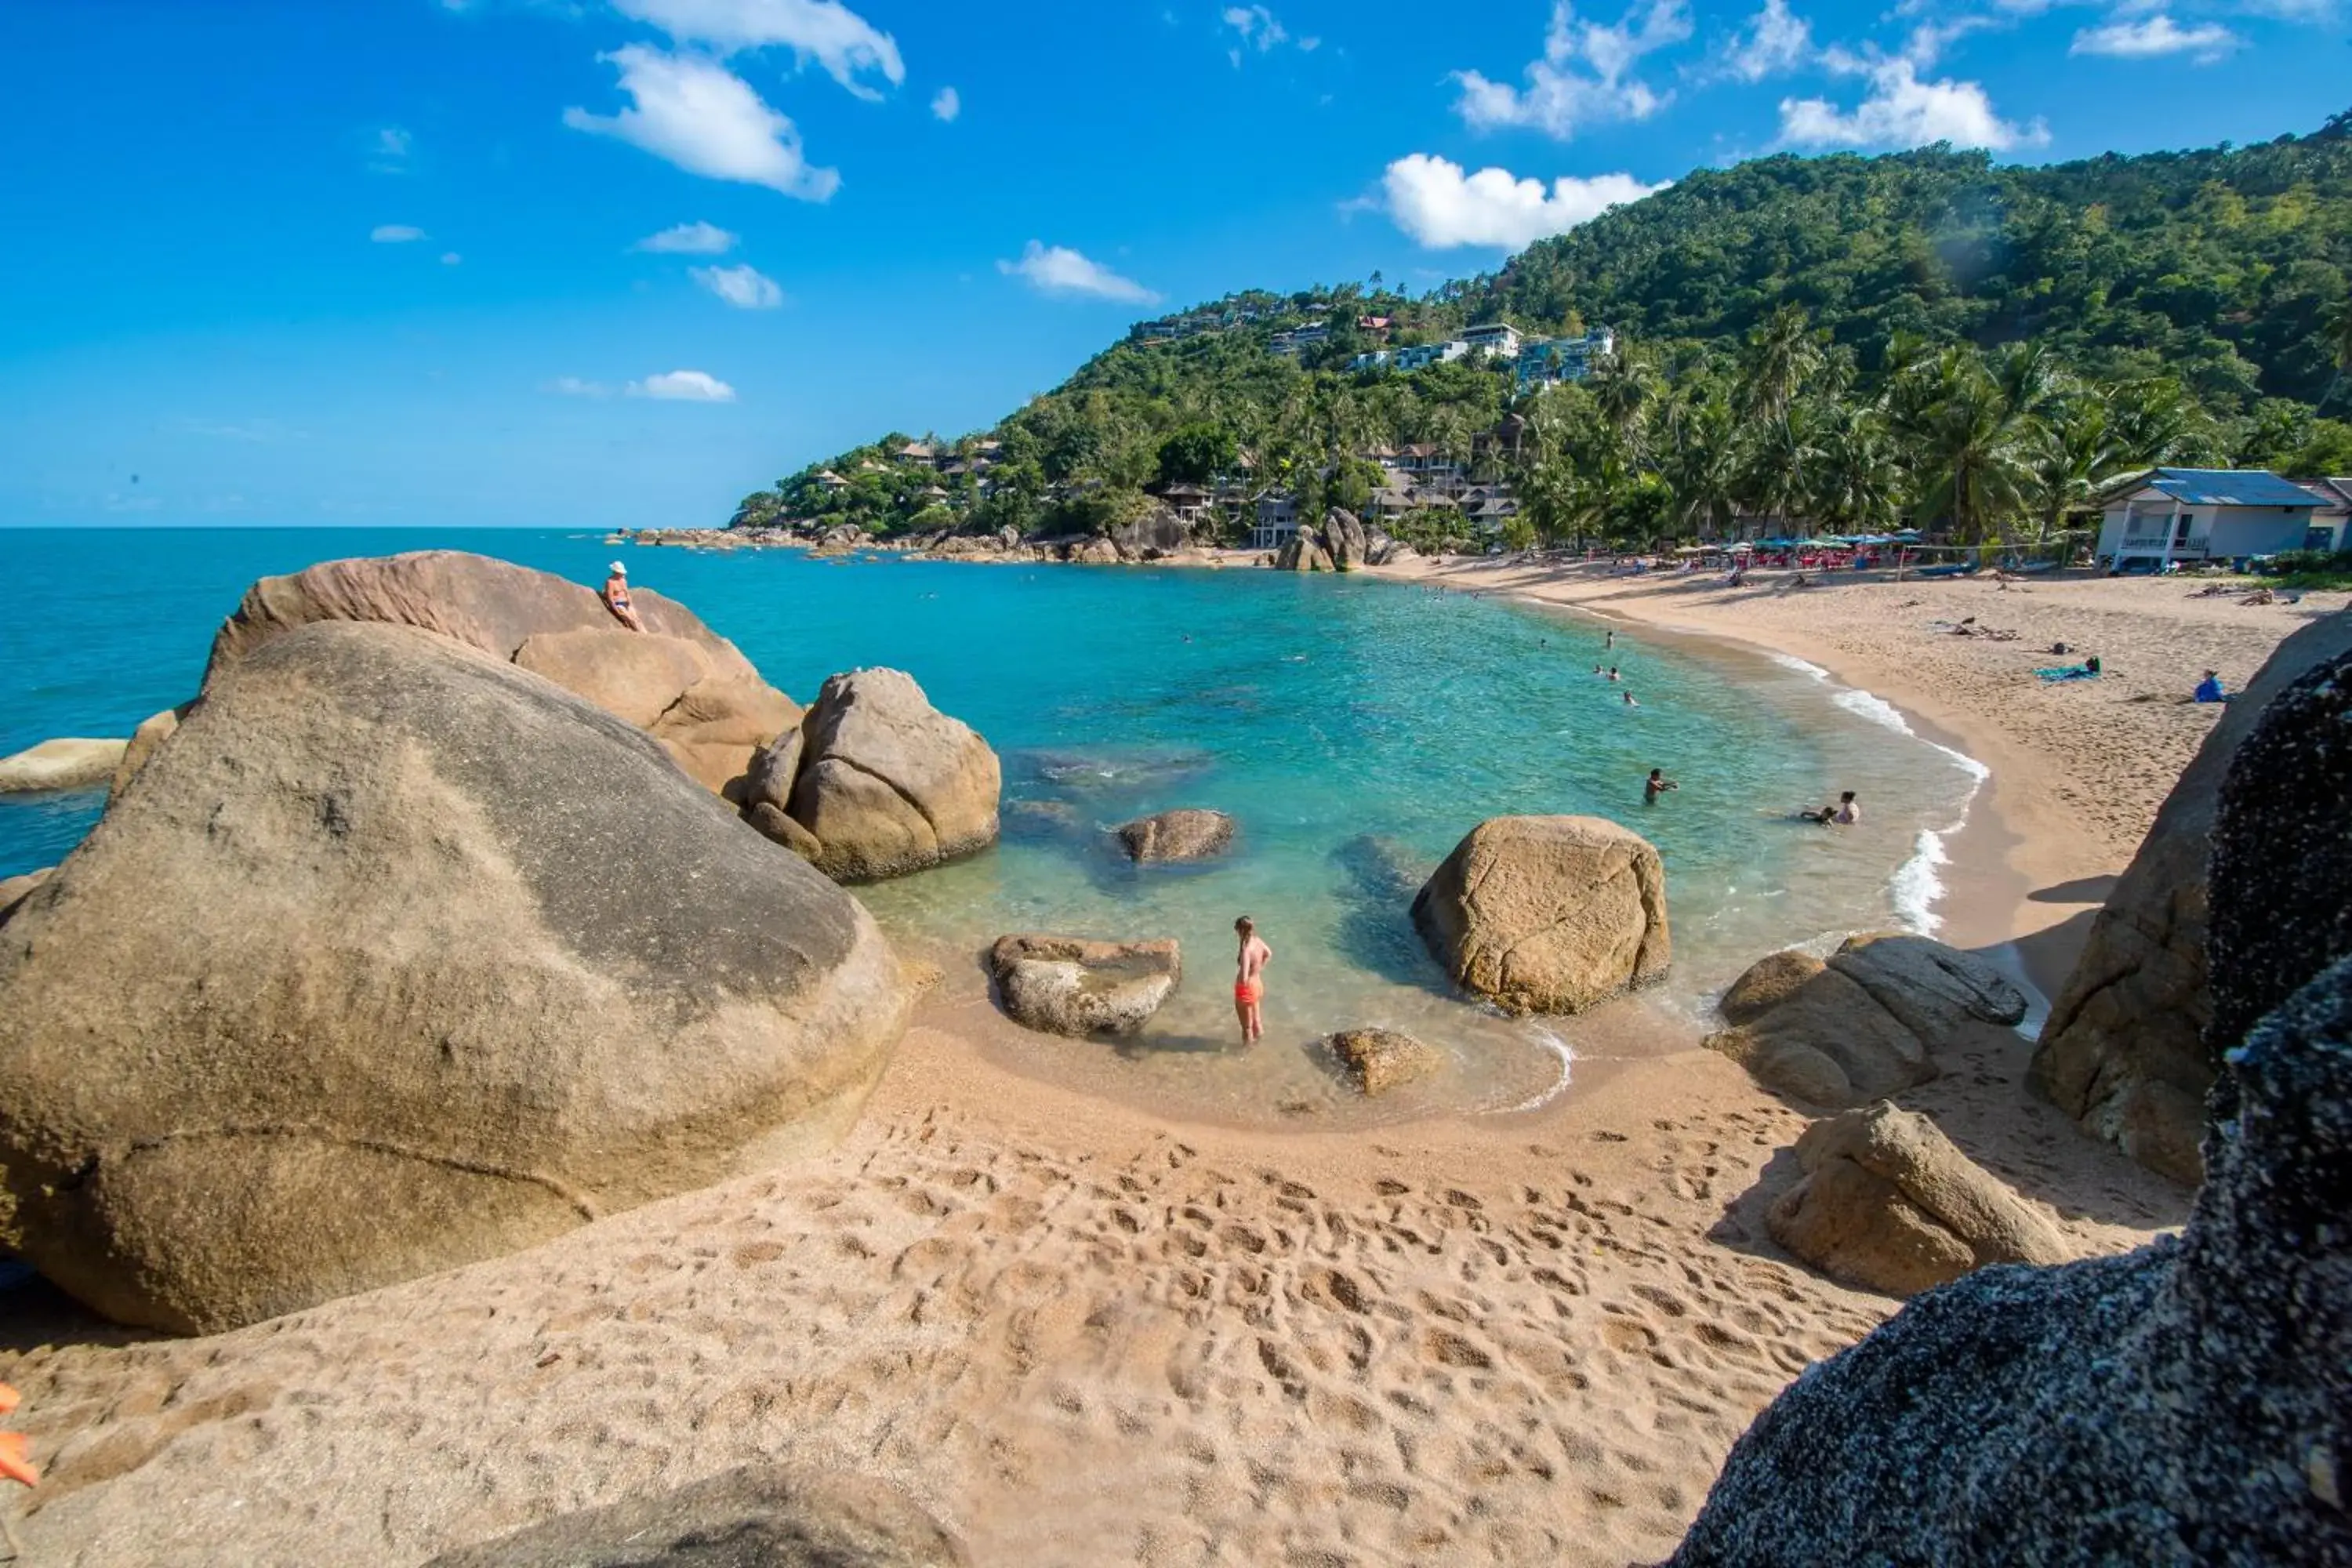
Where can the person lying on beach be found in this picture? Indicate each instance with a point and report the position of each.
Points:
(1249, 978)
(1656, 784)
(2209, 688)
(615, 595)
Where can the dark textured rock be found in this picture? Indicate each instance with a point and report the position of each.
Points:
(2124, 1052)
(756, 1517)
(397, 957)
(1934, 990)
(2281, 909)
(1189, 834)
(2184, 1404)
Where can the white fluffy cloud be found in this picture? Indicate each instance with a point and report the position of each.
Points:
(2154, 35)
(1901, 110)
(706, 120)
(1584, 76)
(847, 45)
(1774, 40)
(744, 287)
(683, 386)
(697, 238)
(1057, 269)
(946, 104)
(573, 386)
(1256, 24)
(395, 234)
(1432, 199)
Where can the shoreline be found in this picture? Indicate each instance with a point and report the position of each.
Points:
(2020, 872)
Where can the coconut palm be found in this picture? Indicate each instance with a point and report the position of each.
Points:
(1781, 356)
(2071, 449)
(1969, 441)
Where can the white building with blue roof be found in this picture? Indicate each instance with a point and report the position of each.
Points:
(2161, 516)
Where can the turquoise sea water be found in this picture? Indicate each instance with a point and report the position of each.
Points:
(1356, 728)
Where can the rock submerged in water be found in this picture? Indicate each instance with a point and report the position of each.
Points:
(887, 783)
(2125, 1050)
(67, 763)
(337, 993)
(757, 1517)
(1887, 1203)
(1077, 986)
(1548, 914)
(1184, 835)
(1377, 1061)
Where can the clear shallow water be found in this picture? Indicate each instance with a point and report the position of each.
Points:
(1356, 728)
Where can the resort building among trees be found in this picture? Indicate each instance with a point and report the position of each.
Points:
(2163, 515)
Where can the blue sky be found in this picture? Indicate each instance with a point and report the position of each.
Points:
(617, 262)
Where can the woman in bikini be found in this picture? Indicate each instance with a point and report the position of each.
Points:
(1249, 979)
(616, 598)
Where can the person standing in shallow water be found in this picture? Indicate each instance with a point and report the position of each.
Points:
(1249, 978)
(1656, 784)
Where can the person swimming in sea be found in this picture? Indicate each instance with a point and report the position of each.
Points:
(1656, 784)
(1249, 978)
(615, 595)
(1613, 673)
(1845, 813)
(1628, 700)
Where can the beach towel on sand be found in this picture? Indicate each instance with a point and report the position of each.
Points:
(2069, 672)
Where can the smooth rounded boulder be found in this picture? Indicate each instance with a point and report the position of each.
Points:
(69, 762)
(886, 782)
(1077, 986)
(1377, 1061)
(678, 680)
(1548, 914)
(1887, 1203)
(397, 957)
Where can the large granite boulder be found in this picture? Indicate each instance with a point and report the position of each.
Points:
(69, 762)
(1189, 834)
(2124, 1052)
(1864, 1024)
(1548, 914)
(153, 731)
(1344, 537)
(1150, 535)
(1075, 986)
(678, 680)
(395, 958)
(2183, 1403)
(761, 1516)
(1828, 1042)
(1888, 1203)
(1304, 551)
(886, 782)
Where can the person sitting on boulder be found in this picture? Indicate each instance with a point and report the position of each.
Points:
(615, 595)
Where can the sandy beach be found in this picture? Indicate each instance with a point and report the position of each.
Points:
(1079, 1334)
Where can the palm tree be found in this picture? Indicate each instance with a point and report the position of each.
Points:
(1968, 446)
(2070, 450)
(1781, 356)
(1856, 478)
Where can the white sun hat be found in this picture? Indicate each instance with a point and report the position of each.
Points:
(619, 570)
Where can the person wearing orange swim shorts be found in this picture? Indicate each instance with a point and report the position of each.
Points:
(1249, 978)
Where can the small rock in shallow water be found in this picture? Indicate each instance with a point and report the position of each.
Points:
(1184, 835)
(1377, 1061)
(1075, 986)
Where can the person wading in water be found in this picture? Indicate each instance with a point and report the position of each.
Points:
(1249, 978)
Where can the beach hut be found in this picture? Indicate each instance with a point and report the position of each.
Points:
(2159, 516)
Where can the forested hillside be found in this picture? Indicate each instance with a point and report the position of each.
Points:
(1854, 341)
